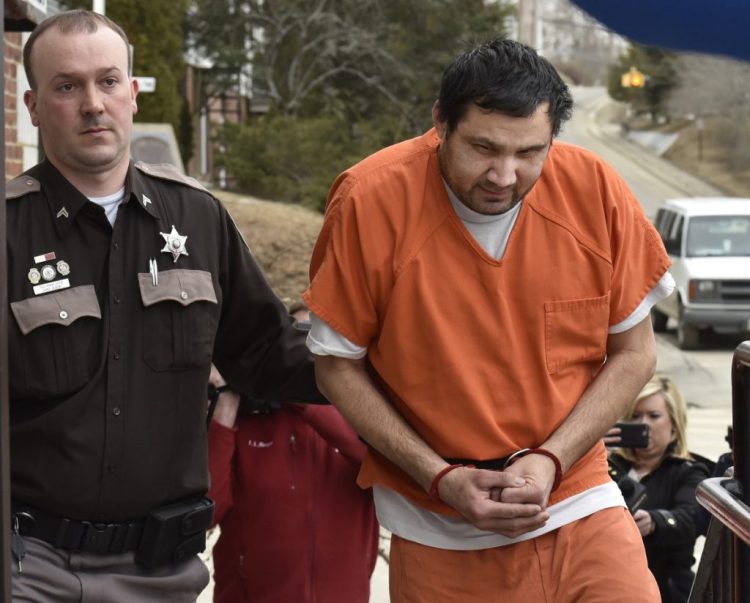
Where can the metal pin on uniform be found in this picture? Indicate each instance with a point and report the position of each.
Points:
(154, 271)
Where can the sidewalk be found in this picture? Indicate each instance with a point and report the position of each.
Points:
(602, 127)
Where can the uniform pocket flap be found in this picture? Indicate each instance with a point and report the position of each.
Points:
(61, 307)
(182, 286)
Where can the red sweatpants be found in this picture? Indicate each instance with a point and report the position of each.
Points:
(599, 558)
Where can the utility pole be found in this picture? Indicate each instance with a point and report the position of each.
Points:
(529, 23)
(538, 27)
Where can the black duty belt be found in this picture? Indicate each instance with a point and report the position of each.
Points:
(494, 464)
(79, 536)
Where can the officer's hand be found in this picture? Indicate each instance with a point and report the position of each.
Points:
(215, 378)
(228, 403)
(473, 493)
(226, 409)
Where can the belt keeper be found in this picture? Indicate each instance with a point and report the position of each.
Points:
(62, 530)
(544, 452)
(436, 481)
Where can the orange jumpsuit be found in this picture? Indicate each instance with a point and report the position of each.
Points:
(481, 357)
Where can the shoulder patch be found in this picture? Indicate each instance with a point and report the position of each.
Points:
(166, 171)
(20, 186)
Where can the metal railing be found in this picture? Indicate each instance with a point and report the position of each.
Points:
(724, 571)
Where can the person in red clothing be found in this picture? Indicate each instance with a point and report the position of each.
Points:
(294, 524)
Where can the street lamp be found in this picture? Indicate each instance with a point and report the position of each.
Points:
(633, 79)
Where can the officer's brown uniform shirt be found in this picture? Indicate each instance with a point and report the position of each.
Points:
(108, 366)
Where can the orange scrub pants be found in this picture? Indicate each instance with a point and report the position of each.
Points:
(599, 558)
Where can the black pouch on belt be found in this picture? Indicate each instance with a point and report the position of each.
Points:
(174, 532)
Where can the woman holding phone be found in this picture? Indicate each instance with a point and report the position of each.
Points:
(668, 515)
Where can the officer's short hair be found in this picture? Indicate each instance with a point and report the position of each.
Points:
(72, 21)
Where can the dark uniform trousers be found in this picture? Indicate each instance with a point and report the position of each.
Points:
(50, 575)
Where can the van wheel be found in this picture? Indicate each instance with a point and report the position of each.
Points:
(658, 320)
(688, 336)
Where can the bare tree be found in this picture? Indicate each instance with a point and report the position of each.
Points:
(715, 92)
(306, 49)
(709, 86)
(295, 48)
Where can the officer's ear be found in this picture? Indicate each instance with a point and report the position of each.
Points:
(133, 93)
(29, 99)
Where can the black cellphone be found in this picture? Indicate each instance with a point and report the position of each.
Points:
(632, 435)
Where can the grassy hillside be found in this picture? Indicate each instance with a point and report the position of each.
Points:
(709, 156)
(281, 236)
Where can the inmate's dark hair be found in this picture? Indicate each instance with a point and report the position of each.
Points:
(72, 21)
(504, 76)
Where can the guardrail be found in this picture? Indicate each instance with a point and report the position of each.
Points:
(724, 571)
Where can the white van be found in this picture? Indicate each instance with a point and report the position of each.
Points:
(708, 240)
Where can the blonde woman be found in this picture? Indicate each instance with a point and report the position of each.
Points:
(667, 517)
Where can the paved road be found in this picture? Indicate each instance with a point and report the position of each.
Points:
(703, 376)
(595, 125)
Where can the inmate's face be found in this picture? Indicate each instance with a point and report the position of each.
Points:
(84, 100)
(491, 160)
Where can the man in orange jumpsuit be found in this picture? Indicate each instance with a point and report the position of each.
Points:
(480, 301)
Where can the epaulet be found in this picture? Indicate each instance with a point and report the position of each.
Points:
(20, 186)
(166, 171)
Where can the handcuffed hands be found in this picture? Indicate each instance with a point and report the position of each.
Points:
(538, 475)
(479, 496)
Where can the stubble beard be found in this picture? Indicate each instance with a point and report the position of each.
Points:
(490, 208)
(469, 198)
(472, 198)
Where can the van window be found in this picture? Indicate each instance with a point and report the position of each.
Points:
(663, 223)
(718, 236)
(669, 227)
(659, 220)
(675, 236)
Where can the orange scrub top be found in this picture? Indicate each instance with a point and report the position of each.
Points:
(482, 357)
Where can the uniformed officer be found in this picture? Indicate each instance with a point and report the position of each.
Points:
(124, 281)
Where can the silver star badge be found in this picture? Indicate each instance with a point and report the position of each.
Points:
(175, 243)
